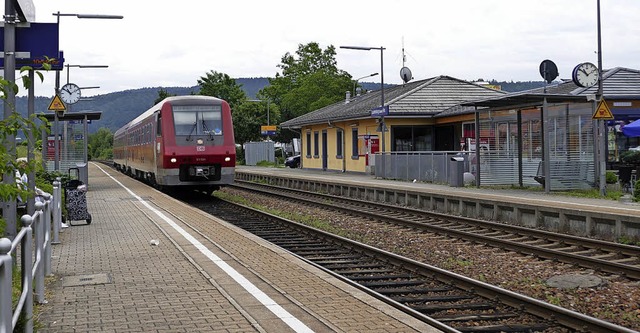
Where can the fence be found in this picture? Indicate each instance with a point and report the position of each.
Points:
(496, 168)
(31, 249)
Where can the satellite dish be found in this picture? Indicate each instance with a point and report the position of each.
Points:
(548, 70)
(405, 74)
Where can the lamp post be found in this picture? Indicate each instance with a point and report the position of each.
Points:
(367, 48)
(56, 143)
(85, 151)
(355, 83)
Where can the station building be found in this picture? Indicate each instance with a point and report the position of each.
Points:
(500, 136)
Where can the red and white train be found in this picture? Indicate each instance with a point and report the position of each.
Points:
(182, 141)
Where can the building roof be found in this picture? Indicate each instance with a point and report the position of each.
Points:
(425, 98)
(617, 83)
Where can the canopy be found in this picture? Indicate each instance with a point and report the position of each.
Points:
(632, 130)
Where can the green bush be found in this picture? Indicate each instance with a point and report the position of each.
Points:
(630, 157)
(636, 191)
(611, 177)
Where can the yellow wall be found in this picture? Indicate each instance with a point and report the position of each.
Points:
(348, 162)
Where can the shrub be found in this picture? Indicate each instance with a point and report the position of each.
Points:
(611, 177)
(630, 157)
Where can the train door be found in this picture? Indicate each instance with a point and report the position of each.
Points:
(157, 151)
(325, 155)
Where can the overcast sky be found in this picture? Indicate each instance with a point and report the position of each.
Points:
(173, 43)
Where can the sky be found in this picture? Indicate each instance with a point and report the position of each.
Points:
(167, 43)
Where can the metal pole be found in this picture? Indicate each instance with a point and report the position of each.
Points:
(382, 97)
(31, 177)
(9, 207)
(56, 129)
(602, 144)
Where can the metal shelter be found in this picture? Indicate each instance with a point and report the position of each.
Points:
(535, 138)
(73, 141)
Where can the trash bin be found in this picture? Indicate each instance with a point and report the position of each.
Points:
(456, 171)
(83, 173)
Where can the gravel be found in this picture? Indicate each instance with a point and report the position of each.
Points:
(615, 300)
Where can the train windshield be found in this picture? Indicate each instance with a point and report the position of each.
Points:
(197, 120)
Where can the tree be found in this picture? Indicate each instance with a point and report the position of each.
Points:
(101, 144)
(310, 80)
(162, 94)
(249, 116)
(222, 86)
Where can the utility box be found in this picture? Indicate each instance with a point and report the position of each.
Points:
(255, 152)
(456, 171)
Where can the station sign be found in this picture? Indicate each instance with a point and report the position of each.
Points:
(268, 130)
(39, 43)
(380, 111)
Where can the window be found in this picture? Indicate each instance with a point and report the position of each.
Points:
(159, 126)
(308, 144)
(197, 119)
(339, 135)
(411, 138)
(316, 145)
(354, 143)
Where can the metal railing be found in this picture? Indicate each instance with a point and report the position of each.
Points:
(33, 261)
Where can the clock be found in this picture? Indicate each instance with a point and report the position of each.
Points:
(70, 93)
(585, 75)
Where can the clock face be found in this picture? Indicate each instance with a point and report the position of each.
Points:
(70, 93)
(585, 75)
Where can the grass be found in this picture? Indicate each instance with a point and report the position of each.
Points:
(300, 218)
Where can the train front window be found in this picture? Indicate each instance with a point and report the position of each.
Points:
(197, 120)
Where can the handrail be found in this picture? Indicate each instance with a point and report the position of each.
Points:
(34, 241)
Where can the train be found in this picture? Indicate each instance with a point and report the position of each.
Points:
(181, 142)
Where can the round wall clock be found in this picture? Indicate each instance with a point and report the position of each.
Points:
(585, 75)
(70, 93)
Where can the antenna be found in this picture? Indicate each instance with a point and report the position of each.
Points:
(405, 72)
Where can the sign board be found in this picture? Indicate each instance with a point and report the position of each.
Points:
(603, 111)
(57, 104)
(268, 130)
(40, 40)
(380, 111)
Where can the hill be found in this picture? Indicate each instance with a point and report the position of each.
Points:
(120, 107)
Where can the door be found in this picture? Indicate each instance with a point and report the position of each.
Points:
(325, 155)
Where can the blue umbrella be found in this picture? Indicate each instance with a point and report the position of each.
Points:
(632, 130)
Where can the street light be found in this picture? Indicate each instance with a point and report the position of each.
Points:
(355, 83)
(83, 66)
(57, 87)
(367, 48)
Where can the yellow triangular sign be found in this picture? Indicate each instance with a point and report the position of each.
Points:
(57, 104)
(603, 111)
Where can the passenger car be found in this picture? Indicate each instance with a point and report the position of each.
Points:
(292, 161)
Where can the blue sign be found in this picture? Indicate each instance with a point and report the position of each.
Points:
(41, 41)
(380, 111)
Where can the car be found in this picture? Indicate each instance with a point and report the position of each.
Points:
(292, 161)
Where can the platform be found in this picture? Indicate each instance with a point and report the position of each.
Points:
(591, 217)
(148, 263)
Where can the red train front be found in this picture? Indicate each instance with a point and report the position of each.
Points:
(181, 141)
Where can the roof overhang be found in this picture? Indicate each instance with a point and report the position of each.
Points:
(90, 115)
(525, 100)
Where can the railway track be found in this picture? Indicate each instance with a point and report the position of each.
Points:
(601, 256)
(448, 301)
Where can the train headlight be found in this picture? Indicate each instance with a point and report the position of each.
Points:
(200, 141)
(227, 159)
(173, 160)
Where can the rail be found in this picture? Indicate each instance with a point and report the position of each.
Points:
(31, 249)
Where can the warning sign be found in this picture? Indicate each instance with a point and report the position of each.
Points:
(603, 111)
(57, 104)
